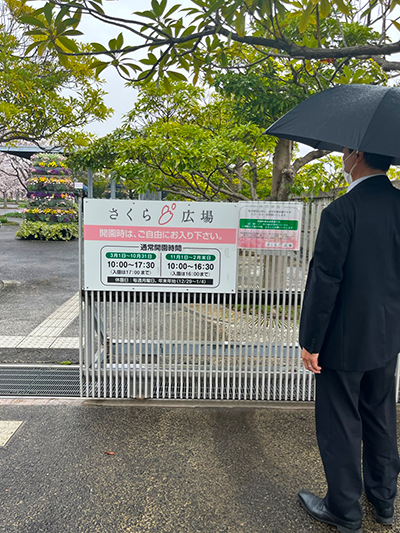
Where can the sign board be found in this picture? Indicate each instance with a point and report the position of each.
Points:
(270, 225)
(159, 246)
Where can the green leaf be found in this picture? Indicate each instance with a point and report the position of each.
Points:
(31, 21)
(146, 14)
(48, 12)
(167, 85)
(97, 47)
(188, 31)
(172, 10)
(305, 17)
(396, 24)
(240, 24)
(124, 70)
(62, 14)
(35, 32)
(156, 8)
(176, 76)
(99, 66)
(325, 8)
(343, 8)
(72, 32)
(64, 61)
(68, 43)
(31, 47)
(96, 6)
(163, 5)
(42, 47)
(71, 22)
(150, 60)
(120, 40)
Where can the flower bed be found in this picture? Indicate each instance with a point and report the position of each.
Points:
(51, 201)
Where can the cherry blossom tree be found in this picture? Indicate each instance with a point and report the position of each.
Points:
(14, 171)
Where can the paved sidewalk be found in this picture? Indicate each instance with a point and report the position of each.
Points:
(173, 469)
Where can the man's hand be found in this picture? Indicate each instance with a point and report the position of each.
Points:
(310, 361)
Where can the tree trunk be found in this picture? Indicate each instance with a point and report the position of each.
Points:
(4, 199)
(282, 173)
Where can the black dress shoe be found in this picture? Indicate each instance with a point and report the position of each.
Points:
(317, 509)
(384, 516)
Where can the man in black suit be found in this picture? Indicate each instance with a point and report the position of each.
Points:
(350, 335)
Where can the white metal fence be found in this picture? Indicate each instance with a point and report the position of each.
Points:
(172, 345)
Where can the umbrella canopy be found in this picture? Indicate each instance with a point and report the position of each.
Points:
(360, 117)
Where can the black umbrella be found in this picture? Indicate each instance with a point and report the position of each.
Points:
(360, 117)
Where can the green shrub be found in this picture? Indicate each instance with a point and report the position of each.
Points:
(47, 232)
(15, 214)
(4, 221)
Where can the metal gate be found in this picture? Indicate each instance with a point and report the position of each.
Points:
(172, 345)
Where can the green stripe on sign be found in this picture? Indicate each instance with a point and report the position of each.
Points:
(265, 223)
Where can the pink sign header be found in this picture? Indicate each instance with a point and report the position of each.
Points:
(157, 234)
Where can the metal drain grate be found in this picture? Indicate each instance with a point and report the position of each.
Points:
(39, 381)
(219, 391)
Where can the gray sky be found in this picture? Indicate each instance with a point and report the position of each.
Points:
(119, 97)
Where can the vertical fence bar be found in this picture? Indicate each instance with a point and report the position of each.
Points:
(229, 349)
(165, 344)
(146, 343)
(92, 345)
(272, 351)
(80, 285)
(291, 327)
(123, 344)
(257, 340)
(223, 347)
(207, 351)
(235, 335)
(217, 350)
(175, 352)
(239, 341)
(152, 347)
(111, 344)
(129, 346)
(211, 350)
(200, 343)
(140, 345)
(105, 344)
(98, 308)
(265, 327)
(283, 358)
(172, 356)
(187, 343)
(160, 347)
(134, 347)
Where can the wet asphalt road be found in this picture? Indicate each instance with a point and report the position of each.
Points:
(174, 470)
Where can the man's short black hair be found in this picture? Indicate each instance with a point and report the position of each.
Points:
(380, 162)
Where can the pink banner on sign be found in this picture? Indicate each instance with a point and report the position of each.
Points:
(157, 234)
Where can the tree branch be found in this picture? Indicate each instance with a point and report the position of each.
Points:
(301, 161)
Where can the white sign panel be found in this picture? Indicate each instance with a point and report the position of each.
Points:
(158, 246)
(270, 225)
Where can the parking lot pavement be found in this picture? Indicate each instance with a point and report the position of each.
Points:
(38, 278)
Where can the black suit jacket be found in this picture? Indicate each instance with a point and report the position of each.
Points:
(351, 307)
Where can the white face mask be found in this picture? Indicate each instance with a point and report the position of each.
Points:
(347, 175)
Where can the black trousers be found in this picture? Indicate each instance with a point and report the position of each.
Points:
(356, 411)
